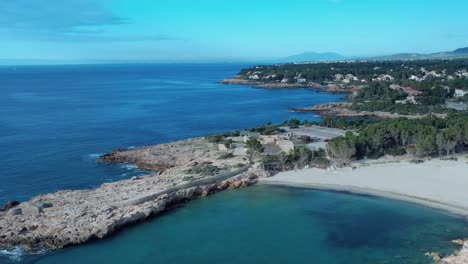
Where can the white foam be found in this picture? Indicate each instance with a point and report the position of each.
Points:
(15, 254)
(95, 155)
(128, 166)
(131, 147)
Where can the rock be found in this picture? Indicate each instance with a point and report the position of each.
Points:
(28, 208)
(69, 217)
(9, 205)
(434, 255)
(14, 211)
(460, 257)
(43, 205)
(458, 242)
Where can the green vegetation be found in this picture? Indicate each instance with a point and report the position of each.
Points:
(254, 147)
(297, 158)
(226, 155)
(400, 71)
(384, 85)
(292, 123)
(267, 129)
(421, 137)
(203, 170)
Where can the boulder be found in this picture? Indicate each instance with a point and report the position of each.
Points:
(28, 208)
(434, 255)
(9, 205)
(15, 211)
(458, 242)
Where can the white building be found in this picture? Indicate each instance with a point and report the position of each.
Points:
(460, 93)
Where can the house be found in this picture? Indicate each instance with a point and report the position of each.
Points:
(351, 77)
(269, 139)
(408, 90)
(225, 147)
(301, 80)
(254, 77)
(460, 93)
(285, 145)
(416, 78)
(339, 77)
(408, 100)
(250, 135)
(284, 80)
(383, 77)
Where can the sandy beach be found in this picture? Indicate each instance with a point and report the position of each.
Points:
(436, 183)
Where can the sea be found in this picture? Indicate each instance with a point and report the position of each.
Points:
(56, 120)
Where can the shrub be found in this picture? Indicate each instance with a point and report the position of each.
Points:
(226, 155)
(215, 138)
(396, 151)
(204, 170)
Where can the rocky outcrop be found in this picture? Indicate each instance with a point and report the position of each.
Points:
(66, 218)
(342, 109)
(239, 81)
(460, 257)
(327, 109)
(9, 205)
(71, 217)
(164, 156)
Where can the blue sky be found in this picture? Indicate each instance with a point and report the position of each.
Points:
(210, 30)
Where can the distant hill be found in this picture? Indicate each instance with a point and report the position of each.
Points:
(458, 53)
(461, 51)
(312, 56)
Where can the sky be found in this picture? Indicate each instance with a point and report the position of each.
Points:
(225, 30)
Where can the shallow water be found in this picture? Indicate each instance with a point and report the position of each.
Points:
(266, 224)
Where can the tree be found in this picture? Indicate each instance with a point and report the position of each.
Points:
(327, 121)
(424, 147)
(394, 131)
(341, 150)
(253, 147)
(440, 142)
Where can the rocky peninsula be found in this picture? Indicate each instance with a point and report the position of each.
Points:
(329, 88)
(70, 217)
(343, 109)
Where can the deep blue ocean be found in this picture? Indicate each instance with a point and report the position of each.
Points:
(56, 120)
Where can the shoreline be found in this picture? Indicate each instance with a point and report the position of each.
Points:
(327, 88)
(455, 210)
(424, 188)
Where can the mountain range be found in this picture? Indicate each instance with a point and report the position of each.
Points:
(313, 56)
(332, 56)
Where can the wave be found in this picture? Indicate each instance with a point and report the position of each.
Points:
(95, 155)
(15, 254)
(128, 166)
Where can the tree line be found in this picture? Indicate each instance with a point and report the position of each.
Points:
(420, 137)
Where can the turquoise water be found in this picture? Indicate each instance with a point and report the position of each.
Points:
(266, 224)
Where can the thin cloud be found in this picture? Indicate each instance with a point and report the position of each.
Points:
(63, 20)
